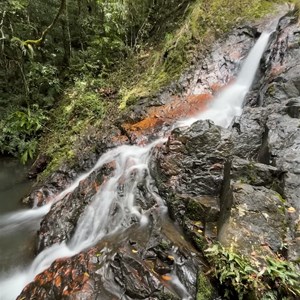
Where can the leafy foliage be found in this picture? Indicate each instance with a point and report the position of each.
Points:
(19, 131)
(263, 277)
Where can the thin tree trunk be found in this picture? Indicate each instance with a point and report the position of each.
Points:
(41, 40)
(66, 36)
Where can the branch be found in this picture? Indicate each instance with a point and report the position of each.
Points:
(41, 40)
(1, 29)
(1, 26)
(2, 21)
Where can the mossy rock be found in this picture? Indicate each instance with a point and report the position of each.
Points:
(204, 209)
(205, 290)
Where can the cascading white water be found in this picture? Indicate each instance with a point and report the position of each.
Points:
(131, 167)
(229, 103)
(12, 221)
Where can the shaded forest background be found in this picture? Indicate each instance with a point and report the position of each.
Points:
(64, 65)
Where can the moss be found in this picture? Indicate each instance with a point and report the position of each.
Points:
(281, 199)
(195, 210)
(281, 209)
(199, 241)
(204, 288)
(271, 90)
(58, 157)
(252, 174)
(166, 296)
(165, 245)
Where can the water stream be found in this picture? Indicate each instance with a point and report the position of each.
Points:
(229, 103)
(118, 191)
(13, 186)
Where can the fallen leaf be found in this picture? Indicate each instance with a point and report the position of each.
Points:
(166, 277)
(291, 209)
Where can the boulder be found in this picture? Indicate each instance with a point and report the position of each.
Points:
(253, 214)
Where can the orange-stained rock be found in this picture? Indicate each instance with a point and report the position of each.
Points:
(235, 55)
(276, 70)
(96, 186)
(57, 281)
(216, 87)
(169, 113)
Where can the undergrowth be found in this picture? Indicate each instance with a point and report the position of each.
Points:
(260, 277)
(20, 130)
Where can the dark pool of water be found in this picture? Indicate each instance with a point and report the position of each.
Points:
(15, 246)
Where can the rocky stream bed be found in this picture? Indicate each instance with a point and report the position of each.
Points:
(240, 185)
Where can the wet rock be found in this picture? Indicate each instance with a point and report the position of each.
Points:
(151, 265)
(257, 174)
(248, 135)
(189, 172)
(257, 219)
(293, 108)
(204, 209)
(59, 224)
(276, 92)
(284, 144)
(55, 183)
(192, 161)
(65, 279)
(130, 274)
(270, 132)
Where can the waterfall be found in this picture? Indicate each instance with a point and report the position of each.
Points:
(131, 168)
(229, 103)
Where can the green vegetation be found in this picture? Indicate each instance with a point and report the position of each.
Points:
(204, 288)
(255, 277)
(77, 61)
(20, 130)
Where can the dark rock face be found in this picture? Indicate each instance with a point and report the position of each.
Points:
(189, 173)
(257, 174)
(257, 212)
(240, 185)
(276, 124)
(257, 218)
(193, 158)
(256, 186)
(59, 224)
